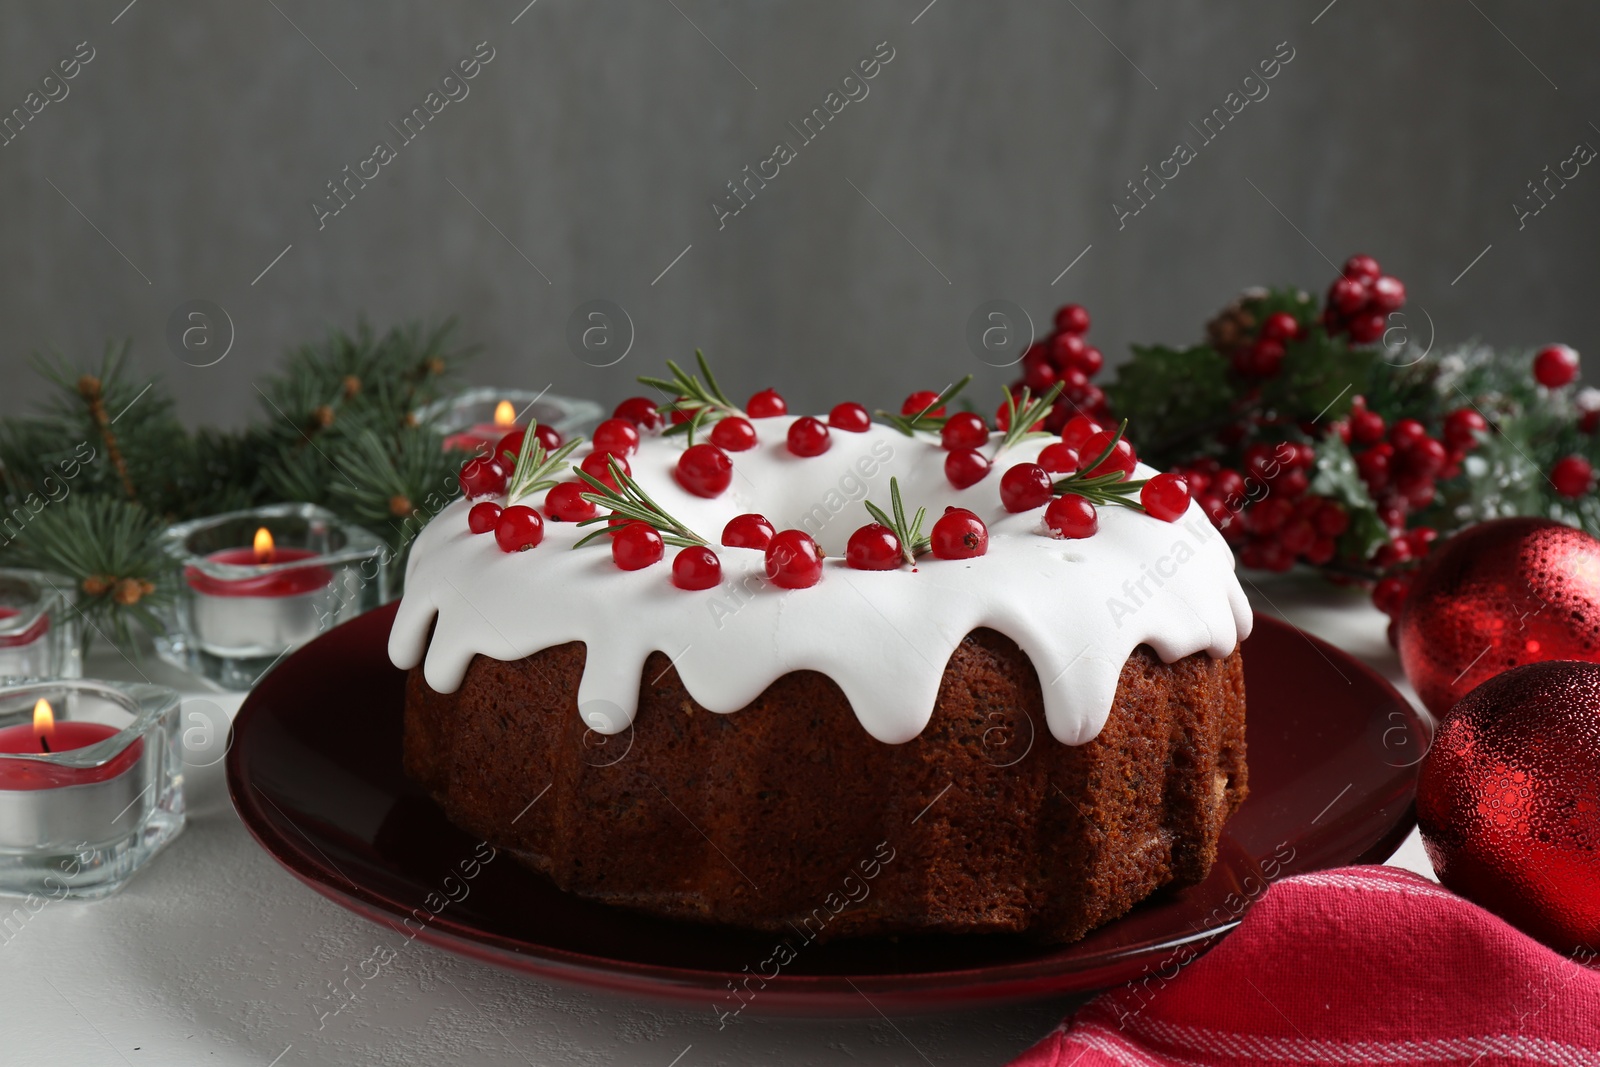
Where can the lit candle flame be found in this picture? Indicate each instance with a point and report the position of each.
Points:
(263, 545)
(44, 720)
(505, 414)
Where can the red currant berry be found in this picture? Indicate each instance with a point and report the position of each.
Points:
(850, 417)
(509, 448)
(966, 467)
(1389, 595)
(1388, 294)
(748, 531)
(1322, 550)
(636, 546)
(1072, 516)
(696, 567)
(1373, 465)
(1365, 329)
(1406, 433)
(874, 547)
(766, 404)
(1077, 432)
(564, 503)
(1265, 357)
(1462, 427)
(1121, 459)
(1280, 326)
(482, 477)
(959, 534)
(617, 436)
(1391, 554)
(518, 528)
(1066, 349)
(1348, 295)
(598, 465)
(1058, 457)
(1361, 267)
(1166, 496)
(705, 470)
(642, 412)
(1072, 318)
(793, 560)
(1025, 487)
(1555, 366)
(1040, 377)
(808, 437)
(549, 437)
(1572, 476)
(1420, 540)
(482, 517)
(964, 430)
(1366, 427)
(917, 402)
(1425, 456)
(1090, 361)
(680, 412)
(733, 434)
(1331, 519)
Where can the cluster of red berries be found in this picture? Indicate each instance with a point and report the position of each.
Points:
(1064, 357)
(959, 534)
(1027, 486)
(1265, 509)
(1554, 367)
(1361, 299)
(1263, 357)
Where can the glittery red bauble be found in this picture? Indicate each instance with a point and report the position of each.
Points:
(1509, 800)
(1497, 595)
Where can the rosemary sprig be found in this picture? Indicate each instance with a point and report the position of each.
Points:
(535, 470)
(631, 502)
(909, 534)
(1024, 414)
(1104, 489)
(925, 419)
(704, 400)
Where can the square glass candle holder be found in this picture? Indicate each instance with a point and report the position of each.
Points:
(477, 418)
(39, 635)
(240, 604)
(89, 798)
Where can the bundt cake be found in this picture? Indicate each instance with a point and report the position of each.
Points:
(1024, 719)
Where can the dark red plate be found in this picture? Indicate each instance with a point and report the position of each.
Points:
(314, 771)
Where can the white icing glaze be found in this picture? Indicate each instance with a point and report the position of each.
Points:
(1076, 608)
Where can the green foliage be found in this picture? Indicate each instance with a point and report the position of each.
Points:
(89, 479)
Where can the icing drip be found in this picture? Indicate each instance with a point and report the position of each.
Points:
(1077, 608)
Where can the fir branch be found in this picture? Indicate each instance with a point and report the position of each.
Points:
(631, 502)
(704, 399)
(110, 549)
(1024, 414)
(909, 534)
(1103, 490)
(925, 419)
(534, 469)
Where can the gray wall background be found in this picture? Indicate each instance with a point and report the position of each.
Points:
(995, 141)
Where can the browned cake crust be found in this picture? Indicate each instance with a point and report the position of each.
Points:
(787, 814)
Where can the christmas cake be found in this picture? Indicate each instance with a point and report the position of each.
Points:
(833, 675)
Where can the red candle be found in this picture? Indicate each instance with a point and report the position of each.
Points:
(485, 434)
(46, 736)
(292, 582)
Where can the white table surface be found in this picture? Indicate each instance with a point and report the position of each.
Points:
(215, 955)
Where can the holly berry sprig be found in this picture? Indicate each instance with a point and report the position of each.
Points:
(930, 416)
(701, 401)
(535, 468)
(909, 534)
(628, 501)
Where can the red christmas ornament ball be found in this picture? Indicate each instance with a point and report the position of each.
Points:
(1509, 800)
(1495, 596)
